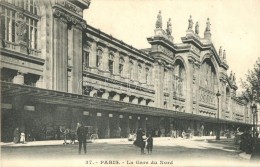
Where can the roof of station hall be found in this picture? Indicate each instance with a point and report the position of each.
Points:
(144, 52)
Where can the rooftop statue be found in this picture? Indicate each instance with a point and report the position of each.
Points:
(220, 51)
(197, 28)
(190, 23)
(169, 27)
(208, 26)
(224, 54)
(231, 76)
(234, 77)
(159, 20)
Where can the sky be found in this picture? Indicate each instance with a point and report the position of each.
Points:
(235, 24)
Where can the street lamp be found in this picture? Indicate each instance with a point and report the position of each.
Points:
(218, 128)
(254, 112)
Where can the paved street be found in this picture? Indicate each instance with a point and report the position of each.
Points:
(120, 152)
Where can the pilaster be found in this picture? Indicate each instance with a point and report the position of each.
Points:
(116, 64)
(158, 78)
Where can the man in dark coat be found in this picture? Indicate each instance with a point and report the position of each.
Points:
(139, 142)
(82, 137)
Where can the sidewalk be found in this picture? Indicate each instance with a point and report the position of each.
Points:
(111, 141)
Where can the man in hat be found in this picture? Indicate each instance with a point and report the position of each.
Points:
(82, 137)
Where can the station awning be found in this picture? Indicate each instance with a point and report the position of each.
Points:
(39, 95)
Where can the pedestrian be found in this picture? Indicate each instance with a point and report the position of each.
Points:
(149, 146)
(139, 142)
(72, 137)
(183, 134)
(16, 135)
(82, 137)
(22, 139)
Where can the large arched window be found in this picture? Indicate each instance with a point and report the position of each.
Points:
(208, 82)
(208, 78)
(11, 17)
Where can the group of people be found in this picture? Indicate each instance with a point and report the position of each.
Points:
(19, 136)
(141, 141)
(81, 132)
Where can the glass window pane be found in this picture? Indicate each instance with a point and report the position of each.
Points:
(4, 27)
(8, 12)
(35, 10)
(13, 30)
(8, 29)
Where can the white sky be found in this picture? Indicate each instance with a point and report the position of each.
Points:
(235, 24)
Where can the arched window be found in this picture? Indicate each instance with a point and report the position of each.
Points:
(208, 75)
(121, 66)
(85, 59)
(147, 75)
(111, 63)
(131, 69)
(12, 17)
(99, 58)
(179, 82)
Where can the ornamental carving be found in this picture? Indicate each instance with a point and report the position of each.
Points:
(69, 18)
(71, 7)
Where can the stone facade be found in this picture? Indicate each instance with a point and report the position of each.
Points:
(58, 51)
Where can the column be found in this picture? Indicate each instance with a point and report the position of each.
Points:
(158, 84)
(170, 87)
(77, 60)
(60, 54)
(126, 67)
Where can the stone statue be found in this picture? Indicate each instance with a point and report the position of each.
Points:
(224, 54)
(231, 76)
(159, 20)
(220, 51)
(208, 26)
(234, 77)
(21, 31)
(197, 28)
(169, 27)
(190, 23)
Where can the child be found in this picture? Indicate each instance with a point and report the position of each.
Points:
(149, 146)
(72, 137)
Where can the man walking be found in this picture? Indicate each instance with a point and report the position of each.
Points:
(82, 137)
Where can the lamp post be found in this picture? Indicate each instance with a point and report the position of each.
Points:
(218, 127)
(254, 111)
